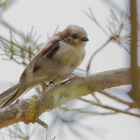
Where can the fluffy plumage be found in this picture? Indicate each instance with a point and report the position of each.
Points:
(56, 61)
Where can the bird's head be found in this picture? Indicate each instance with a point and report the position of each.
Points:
(74, 35)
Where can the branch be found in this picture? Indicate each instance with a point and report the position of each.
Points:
(29, 110)
(134, 56)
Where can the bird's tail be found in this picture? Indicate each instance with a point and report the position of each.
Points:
(10, 95)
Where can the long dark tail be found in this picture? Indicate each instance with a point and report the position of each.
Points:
(10, 95)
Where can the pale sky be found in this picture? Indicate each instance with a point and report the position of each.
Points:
(45, 16)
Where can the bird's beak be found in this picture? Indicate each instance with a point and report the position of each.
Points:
(84, 39)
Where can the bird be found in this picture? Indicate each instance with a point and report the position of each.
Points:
(58, 58)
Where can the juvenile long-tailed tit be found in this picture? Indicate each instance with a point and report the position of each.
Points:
(59, 57)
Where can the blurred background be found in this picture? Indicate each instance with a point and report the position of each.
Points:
(26, 24)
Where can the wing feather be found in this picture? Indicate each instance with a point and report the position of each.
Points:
(47, 52)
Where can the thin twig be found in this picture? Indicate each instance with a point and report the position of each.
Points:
(96, 52)
(115, 98)
(111, 108)
(88, 112)
(10, 27)
(43, 124)
(92, 17)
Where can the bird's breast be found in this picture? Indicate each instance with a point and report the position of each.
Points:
(70, 56)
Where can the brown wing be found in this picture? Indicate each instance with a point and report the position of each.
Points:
(47, 52)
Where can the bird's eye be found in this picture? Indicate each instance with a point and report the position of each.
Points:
(75, 36)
